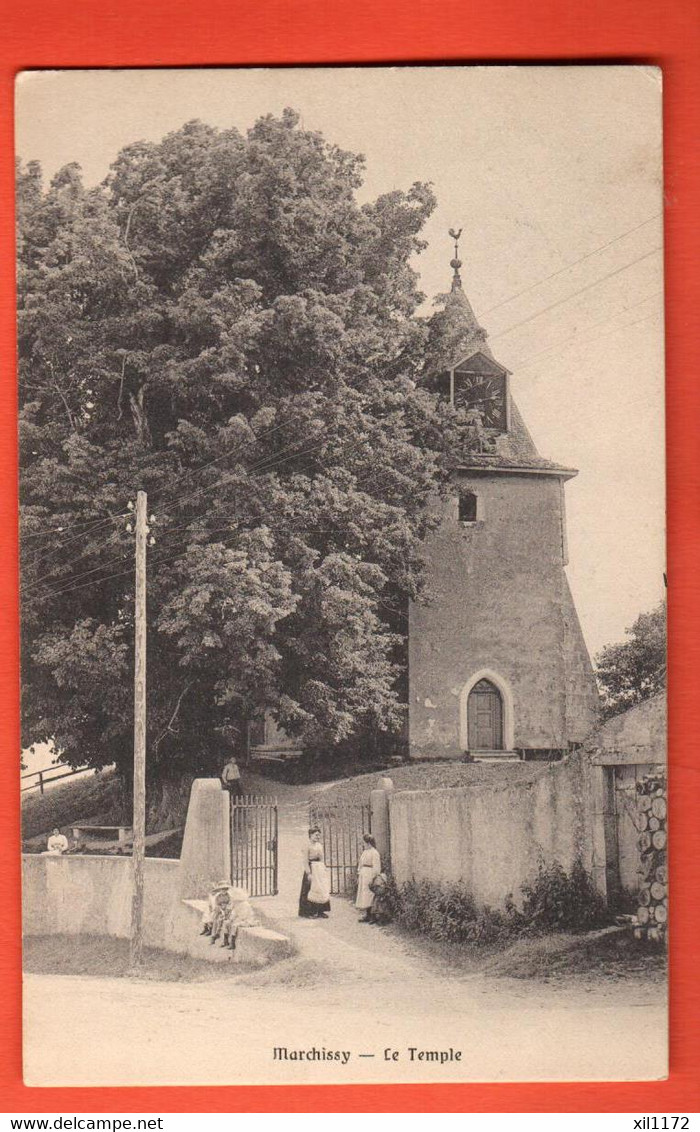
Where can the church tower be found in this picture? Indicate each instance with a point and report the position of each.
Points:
(498, 666)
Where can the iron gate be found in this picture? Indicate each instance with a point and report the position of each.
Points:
(342, 827)
(254, 844)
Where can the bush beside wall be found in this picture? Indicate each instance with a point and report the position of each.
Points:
(556, 900)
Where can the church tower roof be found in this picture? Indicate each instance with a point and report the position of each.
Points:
(459, 360)
(461, 324)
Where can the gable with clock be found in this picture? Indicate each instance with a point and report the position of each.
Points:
(480, 384)
(498, 667)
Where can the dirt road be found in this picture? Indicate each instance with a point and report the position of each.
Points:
(118, 1032)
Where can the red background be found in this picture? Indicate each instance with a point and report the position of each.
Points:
(157, 33)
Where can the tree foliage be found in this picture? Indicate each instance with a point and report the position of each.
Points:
(222, 324)
(635, 669)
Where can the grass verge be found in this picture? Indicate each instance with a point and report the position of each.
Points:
(105, 957)
(426, 776)
(97, 798)
(607, 954)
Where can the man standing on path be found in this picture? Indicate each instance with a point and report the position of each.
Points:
(231, 778)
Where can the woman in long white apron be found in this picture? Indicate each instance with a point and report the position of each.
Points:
(315, 895)
(369, 866)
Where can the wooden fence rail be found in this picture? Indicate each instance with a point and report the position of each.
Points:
(45, 777)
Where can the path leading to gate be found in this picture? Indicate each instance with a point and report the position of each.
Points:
(351, 948)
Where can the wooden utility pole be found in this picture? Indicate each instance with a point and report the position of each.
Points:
(139, 819)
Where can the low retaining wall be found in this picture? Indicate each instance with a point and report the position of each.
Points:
(91, 895)
(492, 837)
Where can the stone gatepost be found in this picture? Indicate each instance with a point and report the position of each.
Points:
(604, 855)
(381, 828)
(206, 846)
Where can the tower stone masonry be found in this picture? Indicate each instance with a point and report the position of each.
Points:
(498, 667)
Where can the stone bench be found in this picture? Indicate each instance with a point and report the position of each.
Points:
(257, 945)
(120, 833)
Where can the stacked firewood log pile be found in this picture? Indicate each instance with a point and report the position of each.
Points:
(651, 919)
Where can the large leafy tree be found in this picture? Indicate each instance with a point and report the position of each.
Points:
(635, 669)
(222, 324)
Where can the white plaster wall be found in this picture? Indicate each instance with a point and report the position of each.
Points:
(91, 895)
(492, 837)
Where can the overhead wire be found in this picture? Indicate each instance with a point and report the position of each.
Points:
(263, 464)
(281, 458)
(102, 566)
(127, 513)
(507, 330)
(69, 585)
(583, 339)
(93, 525)
(574, 295)
(574, 263)
(574, 338)
(162, 501)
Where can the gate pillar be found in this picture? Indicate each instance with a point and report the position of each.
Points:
(604, 864)
(379, 824)
(206, 846)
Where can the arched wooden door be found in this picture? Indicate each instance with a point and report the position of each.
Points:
(485, 717)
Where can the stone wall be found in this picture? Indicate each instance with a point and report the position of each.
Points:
(91, 895)
(623, 750)
(637, 735)
(492, 836)
(206, 847)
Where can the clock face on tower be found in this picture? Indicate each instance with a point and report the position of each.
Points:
(485, 392)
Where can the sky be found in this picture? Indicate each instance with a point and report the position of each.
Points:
(555, 176)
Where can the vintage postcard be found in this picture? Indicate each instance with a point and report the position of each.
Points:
(343, 593)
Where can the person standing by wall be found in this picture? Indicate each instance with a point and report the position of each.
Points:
(315, 896)
(231, 778)
(369, 866)
(57, 843)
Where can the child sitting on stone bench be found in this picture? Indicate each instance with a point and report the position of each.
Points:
(218, 902)
(240, 915)
(228, 909)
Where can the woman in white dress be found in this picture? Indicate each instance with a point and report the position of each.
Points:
(57, 844)
(369, 866)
